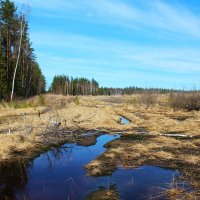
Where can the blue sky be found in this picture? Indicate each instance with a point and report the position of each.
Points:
(146, 43)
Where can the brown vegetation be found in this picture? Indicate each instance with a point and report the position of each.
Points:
(27, 126)
(24, 131)
(177, 193)
(104, 194)
(27, 131)
(185, 100)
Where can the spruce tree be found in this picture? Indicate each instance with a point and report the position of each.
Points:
(28, 79)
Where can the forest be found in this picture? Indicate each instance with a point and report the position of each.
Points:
(20, 74)
(66, 85)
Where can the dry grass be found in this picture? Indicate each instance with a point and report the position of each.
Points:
(134, 150)
(28, 125)
(33, 122)
(177, 193)
(104, 194)
(87, 113)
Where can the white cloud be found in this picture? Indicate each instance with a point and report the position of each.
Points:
(119, 57)
(129, 55)
(140, 14)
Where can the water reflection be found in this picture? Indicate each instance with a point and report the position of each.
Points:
(13, 177)
(124, 120)
(59, 174)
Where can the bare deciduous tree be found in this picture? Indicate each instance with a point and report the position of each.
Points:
(22, 28)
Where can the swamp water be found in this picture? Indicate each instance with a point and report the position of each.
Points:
(59, 174)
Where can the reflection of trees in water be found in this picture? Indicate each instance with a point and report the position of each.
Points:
(13, 177)
(62, 154)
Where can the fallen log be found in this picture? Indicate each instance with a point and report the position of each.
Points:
(177, 135)
(165, 134)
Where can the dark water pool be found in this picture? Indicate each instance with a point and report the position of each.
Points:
(59, 174)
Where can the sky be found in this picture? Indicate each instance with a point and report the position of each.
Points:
(119, 43)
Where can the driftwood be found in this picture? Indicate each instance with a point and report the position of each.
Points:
(177, 135)
(167, 135)
(142, 131)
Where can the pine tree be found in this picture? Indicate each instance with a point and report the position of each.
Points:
(7, 20)
(17, 65)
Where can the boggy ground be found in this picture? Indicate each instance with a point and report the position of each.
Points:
(146, 142)
(30, 129)
(27, 131)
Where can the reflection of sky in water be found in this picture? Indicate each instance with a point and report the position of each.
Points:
(59, 174)
(124, 120)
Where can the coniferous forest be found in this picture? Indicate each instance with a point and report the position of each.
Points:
(20, 73)
(66, 85)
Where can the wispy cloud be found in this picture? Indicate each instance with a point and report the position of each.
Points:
(102, 51)
(154, 14)
(151, 40)
(140, 14)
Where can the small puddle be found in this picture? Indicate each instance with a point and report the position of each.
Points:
(59, 174)
(124, 120)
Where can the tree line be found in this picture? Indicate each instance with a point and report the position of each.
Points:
(20, 74)
(73, 86)
(66, 85)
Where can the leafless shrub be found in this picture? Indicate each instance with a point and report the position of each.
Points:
(185, 100)
(148, 98)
